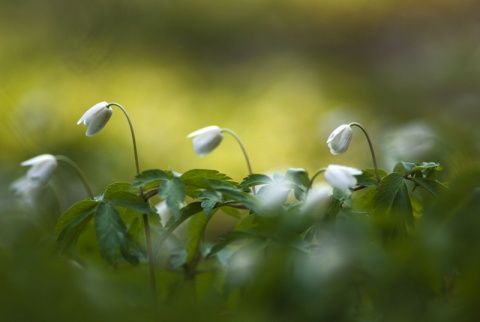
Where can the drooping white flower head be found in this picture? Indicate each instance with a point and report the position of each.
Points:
(27, 190)
(340, 138)
(342, 177)
(96, 118)
(273, 195)
(317, 200)
(206, 139)
(42, 168)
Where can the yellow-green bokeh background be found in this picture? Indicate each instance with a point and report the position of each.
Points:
(281, 74)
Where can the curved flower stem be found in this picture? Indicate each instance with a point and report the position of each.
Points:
(78, 171)
(374, 159)
(146, 225)
(313, 179)
(247, 159)
(135, 153)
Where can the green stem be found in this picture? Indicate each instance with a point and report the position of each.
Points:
(78, 171)
(377, 175)
(146, 225)
(247, 159)
(313, 179)
(135, 153)
(241, 146)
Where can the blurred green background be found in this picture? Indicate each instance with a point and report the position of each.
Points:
(281, 74)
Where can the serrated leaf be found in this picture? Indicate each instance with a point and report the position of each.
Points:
(111, 231)
(392, 201)
(196, 180)
(72, 221)
(173, 192)
(236, 194)
(227, 239)
(432, 186)
(115, 188)
(209, 200)
(149, 179)
(299, 177)
(131, 250)
(367, 178)
(255, 180)
(130, 201)
(195, 232)
(404, 168)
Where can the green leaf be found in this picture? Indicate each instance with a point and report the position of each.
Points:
(111, 231)
(298, 176)
(404, 168)
(255, 180)
(301, 181)
(367, 178)
(227, 239)
(185, 213)
(233, 193)
(131, 201)
(196, 180)
(173, 192)
(209, 200)
(71, 223)
(115, 188)
(392, 202)
(195, 232)
(149, 179)
(432, 186)
(429, 169)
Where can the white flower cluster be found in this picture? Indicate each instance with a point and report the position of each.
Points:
(42, 168)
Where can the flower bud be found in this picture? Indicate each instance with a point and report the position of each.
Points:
(96, 118)
(206, 139)
(317, 201)
(340, 138)
(342, 178)
(42, 168)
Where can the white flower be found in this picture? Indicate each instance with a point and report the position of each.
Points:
(317, 201)
(206, 139)
(42, 168)
(340, 138)
(273, 195)
(342, 178)
(27, 190)
(96, 118)
(163, 212)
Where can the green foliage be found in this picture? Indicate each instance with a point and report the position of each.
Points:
(111, 231)
(388, 251)
(73, 221)
(392, 202)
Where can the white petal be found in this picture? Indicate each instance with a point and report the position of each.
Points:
(341, 177)
(98, 120)
(340, 138)
(336, 131)
(211, 128)
(206, 142)
(317, 201)
(39, 159)
(94, 109)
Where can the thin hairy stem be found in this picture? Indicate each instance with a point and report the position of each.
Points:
(78, 171)
(313, 179)
(135, 153)
(374, 159)
(146, 225)
(247, 159)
